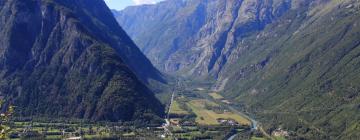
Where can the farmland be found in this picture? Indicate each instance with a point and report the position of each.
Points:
(216, 96)
(193, 114)
(176, 109)
(206, 116)
(202, 114)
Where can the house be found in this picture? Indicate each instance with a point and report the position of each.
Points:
(229, 122)
(279, 133)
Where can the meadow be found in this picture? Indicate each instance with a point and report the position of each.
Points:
(206, 116)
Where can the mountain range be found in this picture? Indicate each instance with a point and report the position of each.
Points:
(294, 64)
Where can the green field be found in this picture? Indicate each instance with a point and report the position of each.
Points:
(216, 96)
(176, 109)
(257, 138)
(209, 117)
(280, 138)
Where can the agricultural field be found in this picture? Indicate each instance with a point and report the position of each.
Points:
(192, 116)
(206, 116)
(216, 96)
(257, 138)
(176, 109)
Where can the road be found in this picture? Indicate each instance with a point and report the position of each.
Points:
(232, 137)
(171, 102)
(167, 118)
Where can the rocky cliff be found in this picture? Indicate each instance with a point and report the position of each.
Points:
(197, 37)
(64, 58)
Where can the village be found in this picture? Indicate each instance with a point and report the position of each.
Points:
(193, 113)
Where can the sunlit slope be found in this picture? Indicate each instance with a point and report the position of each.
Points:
(302, 72)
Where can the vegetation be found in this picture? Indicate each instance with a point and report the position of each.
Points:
(86, 130)
(216, 96)
(257, 138)
(206, 116)
(176, 108)
(294, 64)
(5, 120)
(300, 75)
(82, 65)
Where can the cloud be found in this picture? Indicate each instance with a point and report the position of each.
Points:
(139, 2)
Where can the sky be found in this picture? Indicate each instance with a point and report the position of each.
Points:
(121, 4)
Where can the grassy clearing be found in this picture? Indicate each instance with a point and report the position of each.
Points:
(209, 117)
(216, 96)
(176, 109)
(257, 138)
(280, 138)
(54, 137)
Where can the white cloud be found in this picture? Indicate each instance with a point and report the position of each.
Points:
(139, 2)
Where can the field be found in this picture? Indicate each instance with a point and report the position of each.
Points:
(257, 138)
(206, 116)
(216, 96)
(199, 113)
(176, 109)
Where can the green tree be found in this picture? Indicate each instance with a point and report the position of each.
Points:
(5, 120)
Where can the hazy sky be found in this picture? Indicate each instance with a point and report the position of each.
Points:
(121, 4)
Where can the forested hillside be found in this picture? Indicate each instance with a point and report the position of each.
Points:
(293, 64)
(71, 59)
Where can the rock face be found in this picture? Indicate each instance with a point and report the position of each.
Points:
(292, 63)
(64, 58)
(197, 37)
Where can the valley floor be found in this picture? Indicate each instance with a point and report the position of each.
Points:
(194, 112)
(80, 130)
(197, 112)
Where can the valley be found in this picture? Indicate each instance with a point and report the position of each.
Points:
(197, 112)
(293, 65)
(78, 129)
(194, 112)
(180, 70)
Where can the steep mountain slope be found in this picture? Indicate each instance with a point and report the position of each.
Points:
(302, 72)
(292, 63)
(196, 37)
(64, 58)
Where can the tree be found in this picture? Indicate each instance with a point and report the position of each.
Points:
(5, 120)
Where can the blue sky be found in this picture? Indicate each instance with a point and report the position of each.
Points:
(121, 4)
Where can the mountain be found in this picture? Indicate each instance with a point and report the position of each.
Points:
(293, 64)
(65, 58)
(196, 37)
